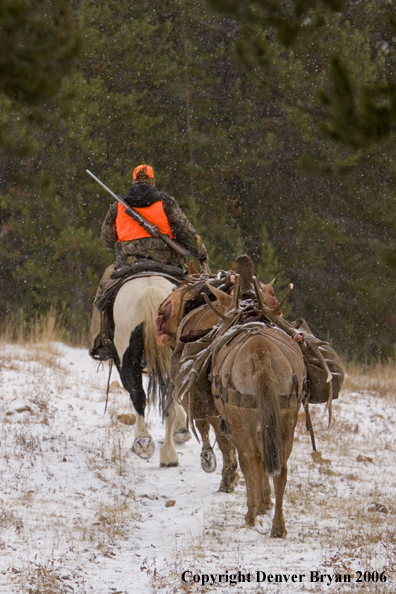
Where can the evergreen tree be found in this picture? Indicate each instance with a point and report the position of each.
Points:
(37, 47)
(273, 134)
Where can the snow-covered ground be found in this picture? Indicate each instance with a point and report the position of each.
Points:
(80, 513)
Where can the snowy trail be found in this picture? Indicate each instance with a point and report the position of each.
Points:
(80, 513)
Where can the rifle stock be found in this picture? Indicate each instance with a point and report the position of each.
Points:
(152, 230)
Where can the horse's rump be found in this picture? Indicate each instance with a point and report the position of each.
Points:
(135, 305)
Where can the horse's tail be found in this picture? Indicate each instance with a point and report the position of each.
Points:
(269, 415)
(157, 358)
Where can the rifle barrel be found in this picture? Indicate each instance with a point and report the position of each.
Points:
(103, 185)
(176, 246)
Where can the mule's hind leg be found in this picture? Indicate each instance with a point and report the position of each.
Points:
(243, 425)
(229, 475)
(249, 456)
(289, 421)
(278, 529)
(168, 455)
(249, 468)
(181, 433)
(131, 377)
(266, 502)
(208, 457)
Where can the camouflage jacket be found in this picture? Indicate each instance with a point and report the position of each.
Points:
(153, 248)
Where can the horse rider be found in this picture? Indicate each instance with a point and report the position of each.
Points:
(132, 243)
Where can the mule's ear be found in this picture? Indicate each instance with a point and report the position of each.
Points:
(191, 268)
(266, 288)
(223, 298)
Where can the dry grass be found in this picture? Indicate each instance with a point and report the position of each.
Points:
(379, 378)
(41, 335)
(41, 329)
(42, 578)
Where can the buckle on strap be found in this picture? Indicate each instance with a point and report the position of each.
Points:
(235, 398)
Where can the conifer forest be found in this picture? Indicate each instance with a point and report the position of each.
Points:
(272, 123)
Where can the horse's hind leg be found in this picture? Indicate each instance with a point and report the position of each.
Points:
(131, 377)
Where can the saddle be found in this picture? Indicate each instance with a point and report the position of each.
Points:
(148, 266)
(123, 274)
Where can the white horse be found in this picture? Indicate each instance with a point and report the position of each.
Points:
(134, 313)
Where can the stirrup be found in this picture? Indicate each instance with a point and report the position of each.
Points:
(102, 352)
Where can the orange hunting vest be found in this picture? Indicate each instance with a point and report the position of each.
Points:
(128, 229)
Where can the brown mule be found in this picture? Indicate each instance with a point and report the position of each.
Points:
(172, 322)
(256, 364)
(258, 375)
(199, 404)
(258, 378)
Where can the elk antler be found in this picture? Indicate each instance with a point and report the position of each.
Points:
(272, 314)
(286, 295)
(217, 312)
(230, 319)
(235, 301)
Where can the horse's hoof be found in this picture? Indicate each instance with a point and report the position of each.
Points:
(208, 461)
(278, 532)
(144, 447)
(169, 464)
(181, 435)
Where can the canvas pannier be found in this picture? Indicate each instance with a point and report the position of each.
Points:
(317, 385)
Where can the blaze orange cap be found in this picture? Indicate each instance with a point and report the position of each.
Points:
(145, 169)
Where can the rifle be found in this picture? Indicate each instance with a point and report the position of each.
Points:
(152, 230)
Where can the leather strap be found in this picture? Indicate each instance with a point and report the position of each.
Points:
(235, 398)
